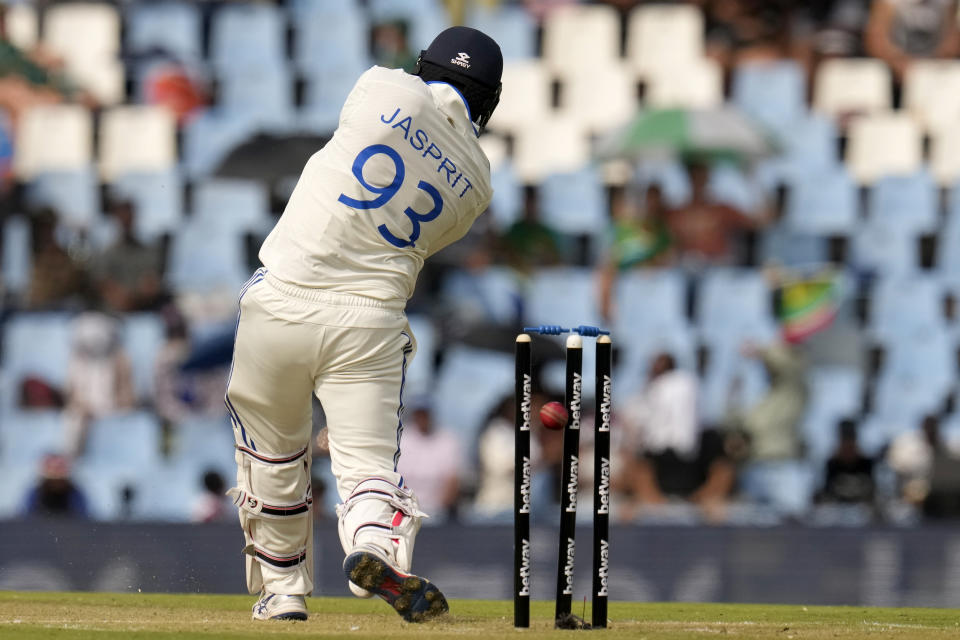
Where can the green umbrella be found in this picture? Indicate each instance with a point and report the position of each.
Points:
(723, 134)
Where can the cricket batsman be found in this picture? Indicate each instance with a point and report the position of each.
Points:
(403, 177)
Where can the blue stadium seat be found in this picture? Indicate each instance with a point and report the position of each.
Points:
(170, 26)
(168, 493)
(917, 375)
(878, 430)
(262, 92)
(209, 137)
(74, 195)
(735, 304)
(907, 203)
(836, 393)
(772, 92)
(507, 203)
(881, 247)
(948, 247)
(204, 443)
(823, 203)
(143, 337)
(330, 35)
(327, 89)
(492, 295)
(731, 186)
(205, 258)
(783, 246)
(649, 300)
(27, 436)
(232, 205)
(671, 178)
(16, 254)
(470, 383)
(18, 481)
(157, 198)
(729, 378)
(637, 348)
(420, 372)
(809, 145)
(35, 344)
(904, 306)
(125, 443)
(574, 202)
(513, 27)
(244, 34)
(563, 295)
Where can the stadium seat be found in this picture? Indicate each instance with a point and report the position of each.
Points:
(574, 202)
(670, 176)
(512, 27)
(944, 159)
(551, 145)
(137, 138)
(649, 300)
(948, 246)
(470, 383)
(908, 202)
(491, 294)
(87, 37)
(330, 35)
(244, 34)
(917, 375)
(931, 93)
(168, 493)
(232, 205)
(143, 337)
(731, 185)
(204, 258)
(15, 254)
(263, 93)
(836, 393)
(823, 203)
(781, 245)
(327, 89)
(809, 145)
(844, 86)
(123, 443)
(774, 93)
(883, 144)
(882, 248)
(730, 379)
(204, 443)
(580, 39)
(171, 26)
(157, 199)
(420, 373)
(602, 100)
(73, 195)
(660, 36)
(566, 296)
(209, 137)
(27, 436)
(734, 303)
(693, 85)
(18, 481)
(904, 306)
(507, 200)
(35, 344)
(526, 96)
(54, 138)
(22, 25)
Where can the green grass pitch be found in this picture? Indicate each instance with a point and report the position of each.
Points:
(76, 616)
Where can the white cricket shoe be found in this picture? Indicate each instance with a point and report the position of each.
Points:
(358, 591)
(275, 606)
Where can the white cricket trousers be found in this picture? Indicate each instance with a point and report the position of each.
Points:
(352, 352)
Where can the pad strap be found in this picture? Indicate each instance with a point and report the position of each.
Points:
(255, 506)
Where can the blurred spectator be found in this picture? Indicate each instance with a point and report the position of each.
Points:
(55, 494)
(180, 391)
(391, 48)
(901, 31)
(672, 457)
(431, 463)
(747, 30)
(58, 280)
(703, 231)
(849, 473)
(99, 377)
(911, 455)
(213, 505)
(636, 237)
(529, 243)
(834, 27)
(128, 273)
(767, 435)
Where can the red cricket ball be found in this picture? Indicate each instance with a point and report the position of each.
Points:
(553, 415)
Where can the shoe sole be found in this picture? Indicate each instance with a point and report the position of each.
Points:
(415, 598)
(293, 615)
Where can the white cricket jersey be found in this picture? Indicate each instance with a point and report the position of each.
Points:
(402, 177)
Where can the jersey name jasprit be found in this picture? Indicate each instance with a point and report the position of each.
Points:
(402, 177)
